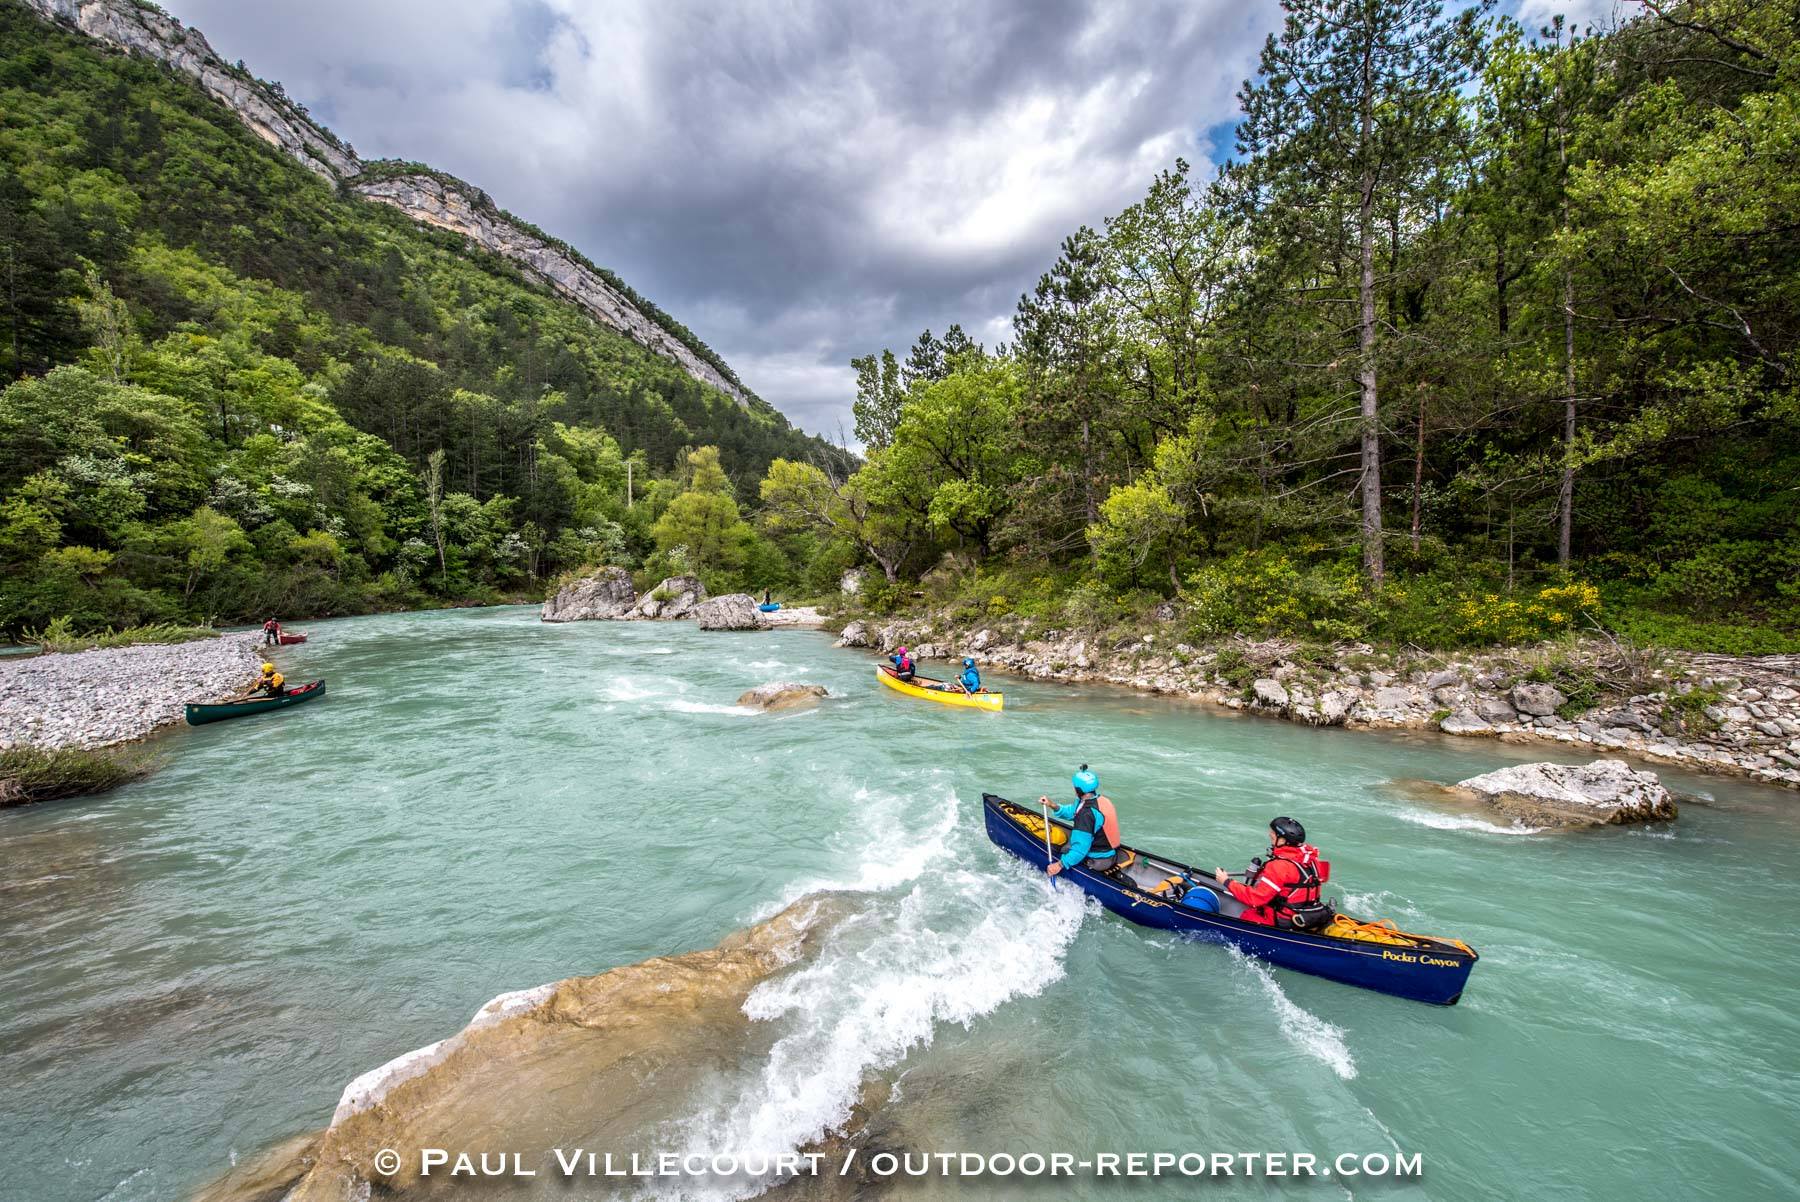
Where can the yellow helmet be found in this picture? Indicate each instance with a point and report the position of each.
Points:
(268, 667)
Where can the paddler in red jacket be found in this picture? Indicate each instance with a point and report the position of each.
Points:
(1284, 889)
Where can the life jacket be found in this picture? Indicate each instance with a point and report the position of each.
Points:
(1099, 813)
(271, 624)
(902, 663)
(971, 680)
(272, 682)
(1298, 903)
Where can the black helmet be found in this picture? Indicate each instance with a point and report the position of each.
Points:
(1288, 831)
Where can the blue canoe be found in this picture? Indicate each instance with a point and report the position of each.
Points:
(1416, 967)
(769, 607)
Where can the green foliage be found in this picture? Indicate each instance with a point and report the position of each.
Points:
(231, 390)
(29, 774)
(1515, 317)
(60, 636)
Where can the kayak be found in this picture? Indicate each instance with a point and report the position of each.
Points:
(200, 715)
(287, 639)
(1156, 892)
(938, 691)
(769, 607)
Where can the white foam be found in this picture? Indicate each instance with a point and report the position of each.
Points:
(710, 707)
(1458, 822)
(1304, 1029)
(626, 688)
(951, 948)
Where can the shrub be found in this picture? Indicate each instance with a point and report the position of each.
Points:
(29, 774)
(1265, 592)
(1492, 618)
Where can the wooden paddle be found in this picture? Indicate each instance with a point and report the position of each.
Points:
(1048, 853)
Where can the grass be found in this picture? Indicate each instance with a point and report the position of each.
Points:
(29, 774)
(60, 637)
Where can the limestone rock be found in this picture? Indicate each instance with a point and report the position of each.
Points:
(733, 611)
(782, 695)
(1270, 693)
(1334, 707)
(675, 597)
(1538, 700)
(856, 634)
(606, 594)
(1443, 680)
(851, 582)
(1465, 722)
(1495, 710)
(1603, 793)
(1392, 697)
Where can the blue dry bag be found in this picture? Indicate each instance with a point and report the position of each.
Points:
(1201, 898)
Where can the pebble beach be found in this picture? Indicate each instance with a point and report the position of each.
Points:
(89, 699)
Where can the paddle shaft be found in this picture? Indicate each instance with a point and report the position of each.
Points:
(1049, 854)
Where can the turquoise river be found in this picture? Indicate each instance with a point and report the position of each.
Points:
(191, 968)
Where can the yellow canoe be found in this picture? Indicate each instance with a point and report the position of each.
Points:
(923, 687)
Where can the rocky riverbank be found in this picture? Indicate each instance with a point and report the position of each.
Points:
(608, 595)
(90, 699)
(1739, 716)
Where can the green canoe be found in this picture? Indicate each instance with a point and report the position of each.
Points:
(200, 715)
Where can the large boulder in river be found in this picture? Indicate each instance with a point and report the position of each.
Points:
(584, 1062)
(856, 634)
(1603, 793)
(733, 611)
(675, 597)
(605, 594)
(782, 695)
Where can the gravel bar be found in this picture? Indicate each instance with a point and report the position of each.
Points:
(117, 694)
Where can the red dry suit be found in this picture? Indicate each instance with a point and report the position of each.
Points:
(1290, 877)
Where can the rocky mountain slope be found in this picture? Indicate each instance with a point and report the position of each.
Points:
(427, 196)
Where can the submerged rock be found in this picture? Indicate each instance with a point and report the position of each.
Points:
(783, 695)
(733, 611)
(590, 1061)
(1603, 793)
(608, 593)
(675, 597)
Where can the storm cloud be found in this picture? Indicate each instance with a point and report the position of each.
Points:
(798, 181)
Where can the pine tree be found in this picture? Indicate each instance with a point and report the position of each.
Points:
(1354, 116)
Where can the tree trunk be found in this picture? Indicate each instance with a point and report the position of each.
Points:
(1373, 565)
(1565, 500)
(1418, 473)
(1566, 493)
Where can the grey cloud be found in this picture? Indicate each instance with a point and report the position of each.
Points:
(798, 182)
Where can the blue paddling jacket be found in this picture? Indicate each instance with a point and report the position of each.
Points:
(971, 680)
(1086, 824)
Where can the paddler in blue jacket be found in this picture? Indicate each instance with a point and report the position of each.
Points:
(1093, 826)
(970, 678)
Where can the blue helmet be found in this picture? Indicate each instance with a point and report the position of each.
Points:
(968, 662)
(1086, 781)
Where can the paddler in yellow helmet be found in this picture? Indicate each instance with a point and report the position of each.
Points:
(270, 684)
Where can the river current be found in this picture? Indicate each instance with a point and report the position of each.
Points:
(192, 967)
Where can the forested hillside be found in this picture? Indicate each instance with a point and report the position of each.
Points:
(1484, 334)
(241, 392)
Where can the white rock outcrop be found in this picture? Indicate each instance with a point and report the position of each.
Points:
(606, 594)
(1603, 793)
(733, 611)
(675, 597)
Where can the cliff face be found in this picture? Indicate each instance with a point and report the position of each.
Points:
(431, 199)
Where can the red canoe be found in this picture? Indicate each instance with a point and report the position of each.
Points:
(287, 638)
